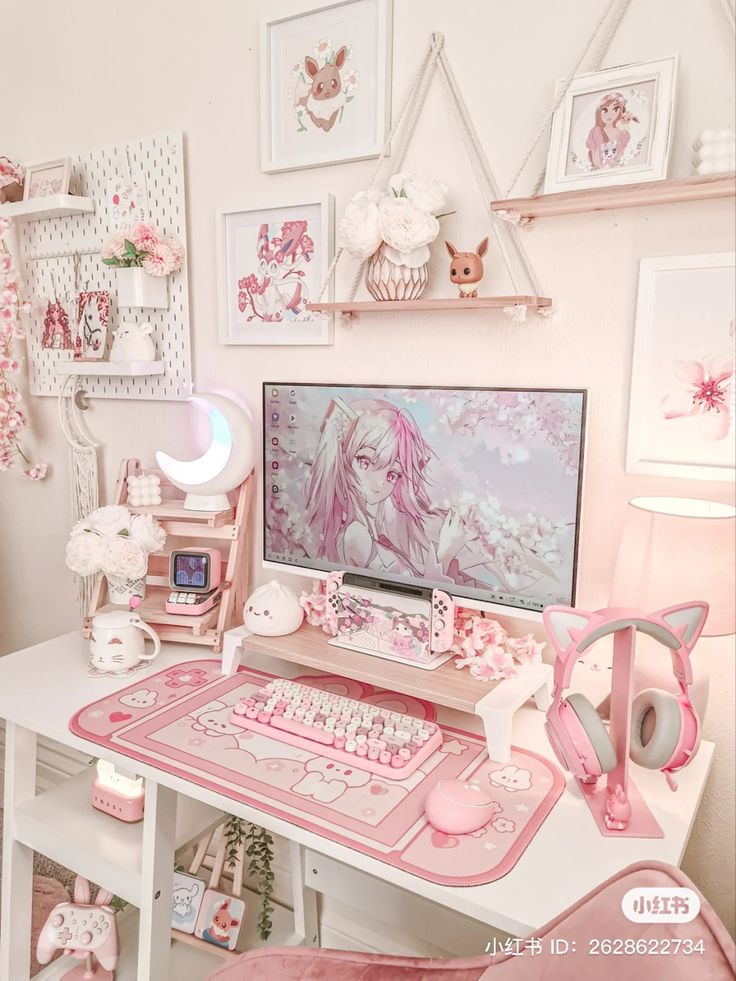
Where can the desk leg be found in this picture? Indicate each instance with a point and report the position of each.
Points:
(157, 869)
(306, 914)
(17, 889)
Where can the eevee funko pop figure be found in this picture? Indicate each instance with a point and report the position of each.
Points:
(466, 268)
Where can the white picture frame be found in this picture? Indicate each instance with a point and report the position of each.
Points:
(683, 342)
(583, 150)
(47, 178)
(249, 308)
(292, 136)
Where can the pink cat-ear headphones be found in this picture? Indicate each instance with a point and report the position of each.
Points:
(665, 728)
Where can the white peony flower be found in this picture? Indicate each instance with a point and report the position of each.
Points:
(403, 226)
(424, 193)
(109, 520)
(145, 530)
(359, 231)
(122, 556)
(414, 259)
(84, 553)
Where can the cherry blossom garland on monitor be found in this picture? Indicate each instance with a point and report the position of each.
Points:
(480, 644)
(12, 418)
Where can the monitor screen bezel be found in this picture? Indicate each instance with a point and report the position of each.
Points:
(469, 602)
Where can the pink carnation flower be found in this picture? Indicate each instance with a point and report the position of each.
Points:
(144, 237)
(177, 251)
(159, 261)
(114, 246)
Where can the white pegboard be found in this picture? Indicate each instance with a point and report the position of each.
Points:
(160, 160)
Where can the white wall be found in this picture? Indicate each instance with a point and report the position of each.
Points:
(196, 67)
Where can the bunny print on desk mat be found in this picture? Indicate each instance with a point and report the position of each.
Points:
(179, 721)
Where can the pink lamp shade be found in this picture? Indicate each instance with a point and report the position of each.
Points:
(678, 549)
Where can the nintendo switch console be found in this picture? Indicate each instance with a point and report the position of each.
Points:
(415, 626)
(194, 580)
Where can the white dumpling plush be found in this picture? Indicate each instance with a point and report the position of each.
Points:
(273, 610)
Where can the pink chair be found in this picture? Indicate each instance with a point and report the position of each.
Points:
(596, 915)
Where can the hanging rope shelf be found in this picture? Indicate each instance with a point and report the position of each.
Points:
(521, 211)
(516, 304)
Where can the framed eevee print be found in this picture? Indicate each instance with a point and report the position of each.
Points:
(325, 84)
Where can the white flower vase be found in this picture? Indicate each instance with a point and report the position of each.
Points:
(136, 288)
(387, 280)
(120, 591)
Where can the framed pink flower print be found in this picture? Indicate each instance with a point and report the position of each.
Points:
(681, 415)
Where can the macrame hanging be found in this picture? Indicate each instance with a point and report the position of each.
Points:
(84, 480)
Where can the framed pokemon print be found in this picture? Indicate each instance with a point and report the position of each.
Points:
(272, 263)
(325, 84)
(681, 415)
(613, 127)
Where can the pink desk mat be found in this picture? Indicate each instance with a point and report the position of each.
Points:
(179, 721)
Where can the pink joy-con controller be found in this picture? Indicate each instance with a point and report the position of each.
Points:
(81, 928)
(332, 606)
(442, 632)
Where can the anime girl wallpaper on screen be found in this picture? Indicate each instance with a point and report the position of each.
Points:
(474, 491)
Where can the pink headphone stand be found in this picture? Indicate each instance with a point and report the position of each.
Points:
(641, 822)
(616, 805)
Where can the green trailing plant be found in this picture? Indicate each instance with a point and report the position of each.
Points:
(259, 851)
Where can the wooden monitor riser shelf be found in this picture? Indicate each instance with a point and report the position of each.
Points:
(493, 701)
(227, 528)
(621, 196)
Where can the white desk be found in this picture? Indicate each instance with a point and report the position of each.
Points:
(43, 686)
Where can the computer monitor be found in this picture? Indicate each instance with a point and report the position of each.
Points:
(472, 490)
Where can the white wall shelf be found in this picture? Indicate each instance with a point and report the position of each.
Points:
(62, 824)
(111, 369)
(54, 206)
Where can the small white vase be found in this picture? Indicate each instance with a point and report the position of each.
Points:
(120, 591)
(386, 280)
(137, 289)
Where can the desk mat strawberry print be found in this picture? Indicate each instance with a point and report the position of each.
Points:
(179, 721)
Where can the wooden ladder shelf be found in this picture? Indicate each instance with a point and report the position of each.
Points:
(224, 530)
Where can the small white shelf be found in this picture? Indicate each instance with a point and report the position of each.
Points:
(62, 824)
(187, 963)
(111, 369)
(54, 206)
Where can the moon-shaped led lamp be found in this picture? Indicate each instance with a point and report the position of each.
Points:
(225, 463)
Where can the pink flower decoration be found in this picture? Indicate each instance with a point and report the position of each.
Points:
(159, 261)
(36, 473)
(314, 605)
(706, 394)
(143, 236)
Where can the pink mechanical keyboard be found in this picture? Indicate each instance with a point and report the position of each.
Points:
(364, 735)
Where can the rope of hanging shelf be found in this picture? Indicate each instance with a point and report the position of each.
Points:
(405, 124)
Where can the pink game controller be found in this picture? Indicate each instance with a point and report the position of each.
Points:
(82, 930)
(442, 633)
(332, 588)
(457, 808)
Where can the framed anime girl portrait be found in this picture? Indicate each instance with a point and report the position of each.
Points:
(613, 127)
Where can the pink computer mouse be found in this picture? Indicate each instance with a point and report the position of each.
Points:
(457, 808)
